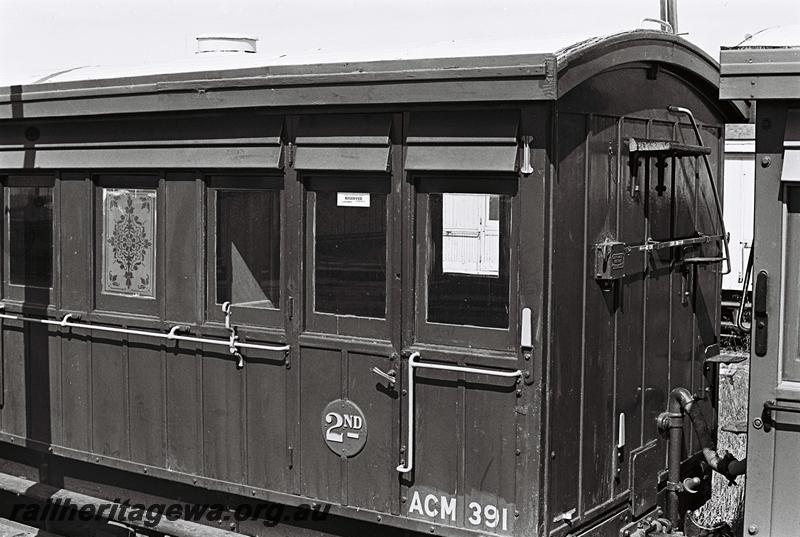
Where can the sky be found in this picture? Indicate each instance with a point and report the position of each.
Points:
(43, 36)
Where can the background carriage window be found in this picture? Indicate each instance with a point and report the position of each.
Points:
(350, 253)
(30, 235)
(468, 280)
(248, 248)
(129, 251)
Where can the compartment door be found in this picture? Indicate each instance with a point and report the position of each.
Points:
(774, 406)
(461, 411)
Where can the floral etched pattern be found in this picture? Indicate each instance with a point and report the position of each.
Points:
(129, 217)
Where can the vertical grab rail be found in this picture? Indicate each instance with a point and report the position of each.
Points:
(414, 364)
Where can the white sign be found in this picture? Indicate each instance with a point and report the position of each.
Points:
(446, 508)
(352, 199)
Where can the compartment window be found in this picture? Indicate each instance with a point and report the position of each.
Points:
(350, 253)
(248, 248)
(128, 238)
(468, 279)
(30, 235)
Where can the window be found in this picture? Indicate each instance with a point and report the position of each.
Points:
(350, 253)
(245, 250)
(30, 235)
(128, 242)
(248, 248)
(469, 257)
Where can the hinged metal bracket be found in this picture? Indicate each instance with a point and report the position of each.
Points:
(525, 167)
(566, 516)
(609, 261)
(610, 255)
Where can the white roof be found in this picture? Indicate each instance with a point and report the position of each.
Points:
(213, 61)
(551, 31)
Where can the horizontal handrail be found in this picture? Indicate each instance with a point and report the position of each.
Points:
(413, 364)
(651, 245)
(172, 335)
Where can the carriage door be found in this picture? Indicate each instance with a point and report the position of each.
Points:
(461, 369)
(773, 451)
(347, 410)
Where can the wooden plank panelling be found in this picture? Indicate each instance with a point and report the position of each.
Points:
(266, 440)
(76, 390)
(183, 247)
(599, 421)
(146, 380)
(184, 409)
(630, 331)
(15, 377)
(566, 366)
(321, 470)
(110, 427)
(223, 407)
(376, 463)
(75, 229)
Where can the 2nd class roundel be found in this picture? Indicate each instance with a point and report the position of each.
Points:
(129, 220)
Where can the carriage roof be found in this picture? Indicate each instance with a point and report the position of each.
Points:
(553, 74)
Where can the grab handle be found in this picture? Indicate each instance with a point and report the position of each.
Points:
(413, 364)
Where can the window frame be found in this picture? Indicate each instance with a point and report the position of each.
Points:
(332, 323)
(242, 315)
(30, 294)
(426, 332)
(106, 302)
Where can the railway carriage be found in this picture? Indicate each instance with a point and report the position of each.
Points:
(769, 75)
(444, 296)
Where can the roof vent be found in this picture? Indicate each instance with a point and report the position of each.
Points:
(225, 43)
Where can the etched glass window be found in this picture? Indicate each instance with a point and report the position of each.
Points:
(30, 236)
(468, 271)
(129, 231)
(248, 253)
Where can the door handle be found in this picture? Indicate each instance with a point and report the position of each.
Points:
(772, 406)
(390, 376)
(413, 364)
(760, 316)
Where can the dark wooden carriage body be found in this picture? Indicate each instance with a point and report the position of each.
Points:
(122, 415)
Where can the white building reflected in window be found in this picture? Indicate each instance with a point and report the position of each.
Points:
(471, 234)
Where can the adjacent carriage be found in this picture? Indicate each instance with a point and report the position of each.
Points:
(768, 74)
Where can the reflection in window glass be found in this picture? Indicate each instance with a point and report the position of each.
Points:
(471, 234)
(468, 280)
(30, 236)
(249, 248)
(129, 252)
(350, 254)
